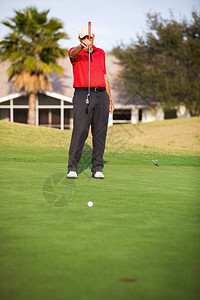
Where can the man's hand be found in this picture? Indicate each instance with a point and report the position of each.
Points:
(86, 43)
(111, 109)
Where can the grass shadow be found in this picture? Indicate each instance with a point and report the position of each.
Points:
(86, 159)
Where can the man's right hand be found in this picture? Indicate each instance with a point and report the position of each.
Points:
(86, 43)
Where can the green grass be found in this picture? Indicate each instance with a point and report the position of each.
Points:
(144, 224)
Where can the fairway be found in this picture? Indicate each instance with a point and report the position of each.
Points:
(140, 240)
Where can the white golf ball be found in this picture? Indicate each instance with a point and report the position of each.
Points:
(90, 203)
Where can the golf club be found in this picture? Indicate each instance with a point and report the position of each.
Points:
(88, 95)
(155, 162)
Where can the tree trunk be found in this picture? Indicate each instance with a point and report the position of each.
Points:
(32, 111)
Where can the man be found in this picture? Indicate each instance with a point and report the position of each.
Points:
(94, 113)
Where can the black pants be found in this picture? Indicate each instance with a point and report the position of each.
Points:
(97, 117)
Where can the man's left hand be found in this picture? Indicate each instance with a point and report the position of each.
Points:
(111, 108)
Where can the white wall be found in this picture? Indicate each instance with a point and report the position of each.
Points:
(134, 115)
(182, 112)
(147, 115)
(159, 114)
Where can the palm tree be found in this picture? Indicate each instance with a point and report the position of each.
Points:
(32, 49)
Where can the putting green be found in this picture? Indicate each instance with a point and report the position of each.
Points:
(140, 240)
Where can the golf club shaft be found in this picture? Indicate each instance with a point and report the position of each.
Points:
(89, 33)
(88, 95)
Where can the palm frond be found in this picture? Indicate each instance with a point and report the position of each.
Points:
(44, 67)
(53, 25)
(8, 24)
(30, 63)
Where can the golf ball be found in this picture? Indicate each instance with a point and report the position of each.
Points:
(90, 203)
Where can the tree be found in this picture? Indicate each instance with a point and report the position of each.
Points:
(164, 66)
(32, 49)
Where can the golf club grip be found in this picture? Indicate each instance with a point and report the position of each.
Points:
(89, 30)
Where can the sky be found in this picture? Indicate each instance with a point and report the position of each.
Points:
(113, 21)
